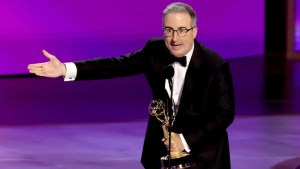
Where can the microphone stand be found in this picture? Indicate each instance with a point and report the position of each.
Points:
(171, 117)
(168, 73)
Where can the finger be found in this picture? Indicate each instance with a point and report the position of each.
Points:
(43, 73)
(40, 73)
(35, 70)
(166, 142)
(36, 65)
(48, 55)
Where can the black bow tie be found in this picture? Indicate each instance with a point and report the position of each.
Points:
(181, 60)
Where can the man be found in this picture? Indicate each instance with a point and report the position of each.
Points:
(202, 90)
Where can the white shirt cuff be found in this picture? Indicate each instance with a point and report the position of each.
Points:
(71, 71)
(186, 146)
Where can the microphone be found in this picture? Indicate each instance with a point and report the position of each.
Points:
(168, 72)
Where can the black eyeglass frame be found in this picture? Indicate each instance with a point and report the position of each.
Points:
(184, 29)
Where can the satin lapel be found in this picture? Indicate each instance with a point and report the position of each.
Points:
(192, 78)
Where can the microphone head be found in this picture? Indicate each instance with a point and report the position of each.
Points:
(168, 72)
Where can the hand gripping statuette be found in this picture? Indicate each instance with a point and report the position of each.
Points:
(178, 160)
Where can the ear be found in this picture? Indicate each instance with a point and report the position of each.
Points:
(195, 31)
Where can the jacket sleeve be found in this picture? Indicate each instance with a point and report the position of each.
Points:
(216, 114)
(125, 65)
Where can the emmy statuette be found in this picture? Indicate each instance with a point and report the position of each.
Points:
(178, 160)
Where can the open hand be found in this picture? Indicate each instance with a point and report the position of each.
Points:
(52, 68)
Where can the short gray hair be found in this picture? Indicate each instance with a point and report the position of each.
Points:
(178, 7)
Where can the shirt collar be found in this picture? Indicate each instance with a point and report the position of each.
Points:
(189, 55)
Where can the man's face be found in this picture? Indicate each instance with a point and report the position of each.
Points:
(179, 46)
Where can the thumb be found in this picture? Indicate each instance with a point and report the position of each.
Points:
(48, 55)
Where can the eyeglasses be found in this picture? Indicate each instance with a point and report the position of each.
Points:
(168, 32)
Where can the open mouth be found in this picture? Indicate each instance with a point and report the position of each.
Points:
(176, 46)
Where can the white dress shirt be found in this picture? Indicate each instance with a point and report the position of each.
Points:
(71, 71)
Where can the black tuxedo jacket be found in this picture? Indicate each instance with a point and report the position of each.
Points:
(206, 107)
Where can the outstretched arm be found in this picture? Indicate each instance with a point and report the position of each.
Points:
(53, 68)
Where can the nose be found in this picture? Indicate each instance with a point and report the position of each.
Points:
(175, 36)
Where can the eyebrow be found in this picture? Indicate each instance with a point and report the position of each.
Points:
(175, 29)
